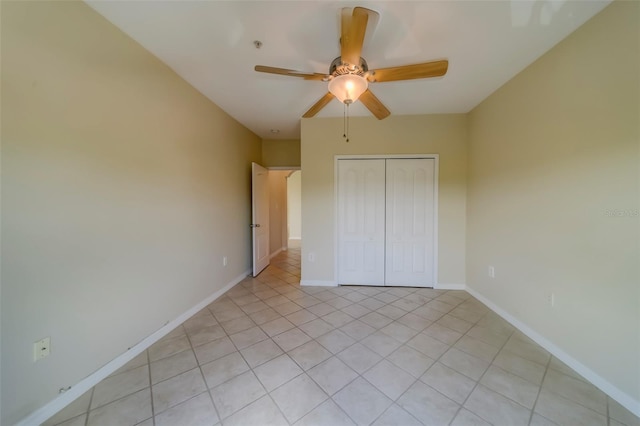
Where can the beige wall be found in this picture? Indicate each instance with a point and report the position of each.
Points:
(122, 188)
(430, 134)
(277, 210)
(551, 154)
(294, 205)
(281, 153)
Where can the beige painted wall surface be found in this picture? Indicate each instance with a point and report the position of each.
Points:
(281, 153)
(122, 188)
(277, 210)
(428, 134)
(553, 154)
(294, 208)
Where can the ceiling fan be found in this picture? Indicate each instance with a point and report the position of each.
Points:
(349, 76)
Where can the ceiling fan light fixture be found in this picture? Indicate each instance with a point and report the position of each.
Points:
(348, 87)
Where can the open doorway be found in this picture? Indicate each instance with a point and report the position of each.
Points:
(284, 210)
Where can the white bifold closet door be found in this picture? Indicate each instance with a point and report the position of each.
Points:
(386, 222)
(410, 206)
(361, 227)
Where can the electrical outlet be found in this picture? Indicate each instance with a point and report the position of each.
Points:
(492, 272)
(41, 349)
(312, 257)
(551, 299)
(224, 261)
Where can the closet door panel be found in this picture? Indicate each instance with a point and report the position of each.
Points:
(361, 222)
(410, 222)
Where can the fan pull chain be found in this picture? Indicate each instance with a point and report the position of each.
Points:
(345, 121)
(348, 122)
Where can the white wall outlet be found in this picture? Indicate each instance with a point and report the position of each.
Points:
(312, 257)
(225, 261)
(41, 349)
(551, 298)
(492, 272)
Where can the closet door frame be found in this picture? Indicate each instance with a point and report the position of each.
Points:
(436, 159)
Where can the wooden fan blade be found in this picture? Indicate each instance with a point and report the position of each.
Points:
(410, 72)
(291, 73)
(374, 105)
(345, 26)
(353, 30)
(319, 105)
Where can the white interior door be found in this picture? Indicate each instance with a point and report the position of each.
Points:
(361, 200)
(260, 217)
(410, 222)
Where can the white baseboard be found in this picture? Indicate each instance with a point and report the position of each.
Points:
(54, 406)
(318, 283)
(603, 384)
(444, 286)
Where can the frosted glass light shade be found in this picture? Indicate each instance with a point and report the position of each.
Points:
(348, 87)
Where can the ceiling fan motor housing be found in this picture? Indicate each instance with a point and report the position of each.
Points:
(338, 67)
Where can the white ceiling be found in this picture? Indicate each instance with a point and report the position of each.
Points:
(210, 44)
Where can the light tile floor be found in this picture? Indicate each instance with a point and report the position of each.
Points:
(270, 352)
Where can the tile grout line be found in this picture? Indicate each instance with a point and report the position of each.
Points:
(210, 389)
(580, 403)
(110, 402)
(153, 411)
(268, 393)
(360, 375)
(401, 343)
(289, 357)
(450, 347)
(393, 402)
(284, 353)
(436, 359)
(237, 350)
(337, 328)
(199, 366)
(86, 419)
(278, 407)
(532, 409)
(535, 403)
(584, 381)
(477, 382)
